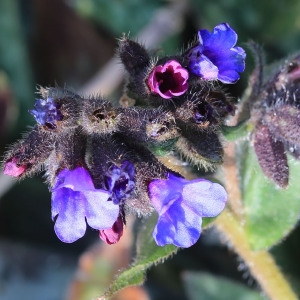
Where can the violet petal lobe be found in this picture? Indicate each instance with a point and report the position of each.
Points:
(75, 199)
(181, 204)
(70, 224)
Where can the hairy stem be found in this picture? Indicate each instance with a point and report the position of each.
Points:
(260, 263)
(232, 182)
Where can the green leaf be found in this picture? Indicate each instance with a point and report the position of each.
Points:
(119, 16)
(270, 212)
(147, 254)
(232, 133)
(162, 148)
(207, 287)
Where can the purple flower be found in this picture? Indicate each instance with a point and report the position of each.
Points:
(215, 57)
(120, 181)
(46, 112)
(181, 204)
(168, 80)
(75, 198)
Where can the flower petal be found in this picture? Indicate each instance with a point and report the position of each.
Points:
(100, 213)
(222, 37)
(70, 224)
(78, 179)
(205, 198)
(204, 68)
(179, 225)
(180, 205)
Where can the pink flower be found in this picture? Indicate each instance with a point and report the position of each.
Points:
(112, 235)
(12, 168)
(168, 80)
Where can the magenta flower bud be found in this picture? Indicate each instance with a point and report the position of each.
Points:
(12, 168)
(168, 80)
(112, 235)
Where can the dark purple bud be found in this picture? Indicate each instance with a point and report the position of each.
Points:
(112, 235)
(120, 181)
(271, 156)
(168, 80)
(46, 112)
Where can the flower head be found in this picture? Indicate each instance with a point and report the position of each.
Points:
(168, 80)
(180, 205)
(112, 235)
(120, 181)
(75, 198)
(46, 112)
(215, 57)
(13, 168)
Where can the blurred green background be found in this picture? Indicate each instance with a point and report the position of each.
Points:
(66, 42)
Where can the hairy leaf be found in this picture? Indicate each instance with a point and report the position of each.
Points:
(147, 254)
(270, 212)
(204, 286)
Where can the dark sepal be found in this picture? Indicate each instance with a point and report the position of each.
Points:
(69, 153)
(284, 124)
(99, 116)
(134, 56)
(201, 148)
(271, 156)
(147, 125)
(26, 157)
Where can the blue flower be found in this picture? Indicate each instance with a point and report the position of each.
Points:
(180, 205)
(74, 199)
(46, 112)
(215, 57)
(120, 181)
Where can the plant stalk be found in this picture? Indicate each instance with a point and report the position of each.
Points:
(260, 263)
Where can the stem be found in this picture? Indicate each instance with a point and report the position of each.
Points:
(260, 263)
(232, 183)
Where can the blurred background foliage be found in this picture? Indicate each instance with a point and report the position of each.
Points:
(66, 42)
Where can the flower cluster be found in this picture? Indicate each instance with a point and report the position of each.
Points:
(100, 159)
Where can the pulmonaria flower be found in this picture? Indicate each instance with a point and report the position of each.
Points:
(168, 80)
(74, 199)
(120, 181)
(13, 168)
(180, 205)
(46, 112)
(112, 235)
(215, 57)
